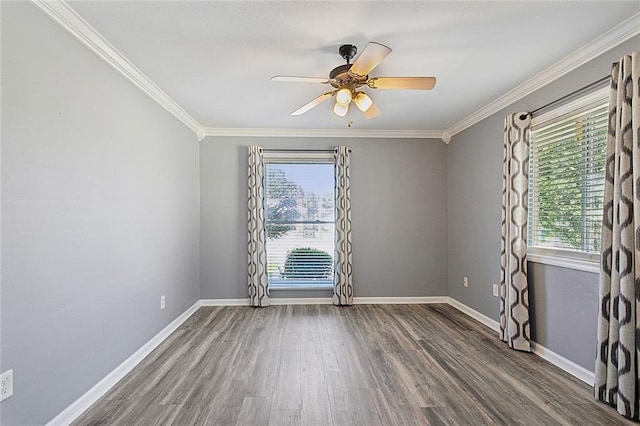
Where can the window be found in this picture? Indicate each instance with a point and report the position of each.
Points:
(299, 219)
(566, 181)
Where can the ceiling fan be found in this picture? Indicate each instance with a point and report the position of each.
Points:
(349, 78)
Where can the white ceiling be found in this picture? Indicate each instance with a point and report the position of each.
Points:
(215, 59)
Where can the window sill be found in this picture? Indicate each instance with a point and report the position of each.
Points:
(301, 286)
(565, 262)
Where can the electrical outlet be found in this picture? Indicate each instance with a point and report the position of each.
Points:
(495, 290)
(162, 302)
(465, 281)
(6, 385)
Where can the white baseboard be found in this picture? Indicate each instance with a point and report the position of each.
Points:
(73, 411)
(275, 301)
(570, 367)
(563, 363)
(224, 302)
(492, 324)
(399, 300)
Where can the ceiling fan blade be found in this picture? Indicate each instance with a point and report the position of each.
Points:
(294, 79)
(371, 112)
(416, 83)
(313, 103)
(370, 57)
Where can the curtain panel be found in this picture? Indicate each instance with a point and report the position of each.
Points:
(257, 267)
(343, 285)
(616, 372)
(514, 290)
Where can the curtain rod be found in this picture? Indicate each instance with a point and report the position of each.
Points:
(299, 150)
(585, 89)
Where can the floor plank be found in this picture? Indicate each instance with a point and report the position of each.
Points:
(359, 365)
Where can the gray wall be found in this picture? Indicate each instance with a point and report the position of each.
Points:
(100, 216)
(564, 305)
(564, 300)
(398, 190)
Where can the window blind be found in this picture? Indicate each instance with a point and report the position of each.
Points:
(566, 179)
(300, 224)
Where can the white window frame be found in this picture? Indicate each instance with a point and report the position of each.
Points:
(558, 257)
(300, 157)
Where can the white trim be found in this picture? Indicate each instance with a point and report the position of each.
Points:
(563, 363)
(326, 157)
(73, 411)
(446, 137)
(324, 133)
(622, 32)
(300, 287)
(399, 300)
(224, 302)
(63, 14)
(279, 301)
(492, 324)
(565, 262)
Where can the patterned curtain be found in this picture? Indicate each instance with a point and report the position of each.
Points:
(514, 291)
(258, 290)
(616, 376)
(343, 286)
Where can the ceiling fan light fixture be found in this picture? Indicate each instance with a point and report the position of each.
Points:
(362, 101)
(344, 96)
(340, 109)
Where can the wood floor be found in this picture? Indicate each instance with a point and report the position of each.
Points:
(359, 365)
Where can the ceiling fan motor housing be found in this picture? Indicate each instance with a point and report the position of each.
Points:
(339, 76)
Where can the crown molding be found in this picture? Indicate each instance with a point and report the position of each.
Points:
(325, 133)
(593, 49)
(63, 14)
(446, 137)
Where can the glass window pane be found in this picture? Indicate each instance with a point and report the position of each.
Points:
(566, 180)
(299, 213)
